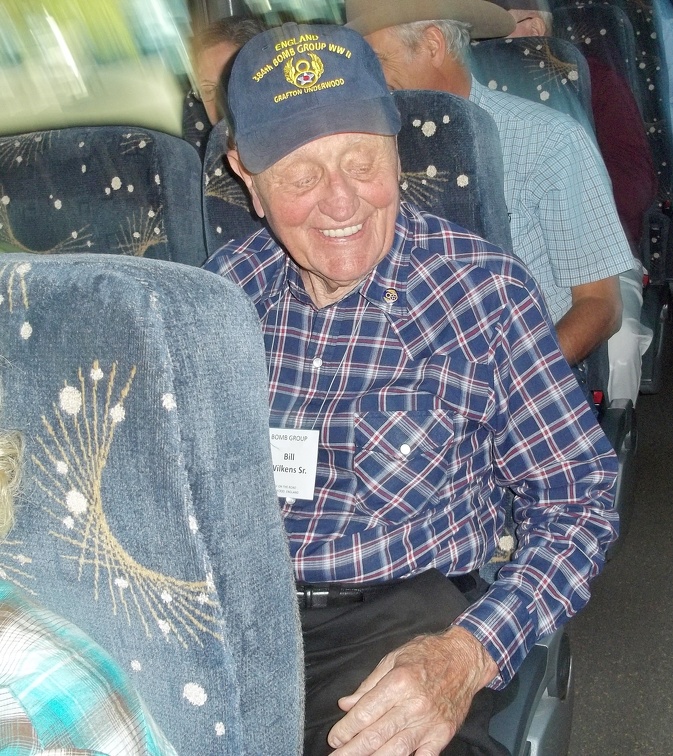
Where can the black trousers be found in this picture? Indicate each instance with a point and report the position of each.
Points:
(342, 645)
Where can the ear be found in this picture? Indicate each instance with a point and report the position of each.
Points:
(435, 45)
(240, 170)
(537, 27)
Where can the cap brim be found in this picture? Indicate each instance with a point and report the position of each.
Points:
(487, 20)
(378, 115)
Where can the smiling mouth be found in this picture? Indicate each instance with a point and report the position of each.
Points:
(339, 233)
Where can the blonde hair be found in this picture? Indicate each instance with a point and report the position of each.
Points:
(11, 447)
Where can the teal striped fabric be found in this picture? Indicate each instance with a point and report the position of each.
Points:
(61, 693)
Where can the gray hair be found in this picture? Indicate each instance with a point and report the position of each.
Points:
(11, 447)
(548, 19)
(456, 35)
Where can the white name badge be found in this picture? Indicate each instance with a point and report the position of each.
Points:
(295, 458)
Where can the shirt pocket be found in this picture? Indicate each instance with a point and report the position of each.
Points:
(401, 462)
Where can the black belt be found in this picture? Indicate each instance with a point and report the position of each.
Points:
(323, 595)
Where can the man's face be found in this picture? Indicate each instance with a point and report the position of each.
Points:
(332, 204)
(404, 68)
(528, 24)
(209, 66)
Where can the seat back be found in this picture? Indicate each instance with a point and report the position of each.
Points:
(652, 76)
(451, 162)
(148, 515)
(195, 124)
(227, 210)
(603, 32)
(541, 69)
(110, 189)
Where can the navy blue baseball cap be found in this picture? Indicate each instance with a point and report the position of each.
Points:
(299, 82)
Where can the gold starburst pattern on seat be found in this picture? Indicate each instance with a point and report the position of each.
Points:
(71, 462)
(221, 184)
(543, 65)
(76, 242)
(143, 230)
(23, 148)
(135, 140)
(421, 187)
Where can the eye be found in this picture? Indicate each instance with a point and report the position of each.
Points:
(360, 167)
(306, 181)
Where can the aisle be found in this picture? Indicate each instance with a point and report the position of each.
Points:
(623, 641)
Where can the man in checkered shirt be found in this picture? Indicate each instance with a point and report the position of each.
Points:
(414, 375)
(563, 218)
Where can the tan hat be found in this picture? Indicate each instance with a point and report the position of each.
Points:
(487, 19)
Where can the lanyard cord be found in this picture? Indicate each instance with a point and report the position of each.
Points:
(272, 354)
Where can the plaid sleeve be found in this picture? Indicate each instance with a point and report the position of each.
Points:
(549, 449)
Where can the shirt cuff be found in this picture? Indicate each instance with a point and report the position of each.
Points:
(505, 624)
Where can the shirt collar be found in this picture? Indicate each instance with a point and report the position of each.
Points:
(476, 92)
(386, 286)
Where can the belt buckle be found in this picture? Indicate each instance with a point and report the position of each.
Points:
(313, 598)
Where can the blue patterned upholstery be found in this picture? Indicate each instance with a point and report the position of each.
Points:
(148, 515)
(228, 212)
(542, 69)
(653, 81)
(452, 163)
(654, 89)
(195, 124)
(110, 189)
(605, 32)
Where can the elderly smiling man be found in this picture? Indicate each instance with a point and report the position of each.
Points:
(413, 376)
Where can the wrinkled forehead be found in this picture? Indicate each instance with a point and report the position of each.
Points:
(334, 148)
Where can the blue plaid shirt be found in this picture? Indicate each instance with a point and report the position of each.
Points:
(435, 385)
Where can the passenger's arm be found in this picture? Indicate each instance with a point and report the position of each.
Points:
(417, 697)
(548, 448)
(595, 315)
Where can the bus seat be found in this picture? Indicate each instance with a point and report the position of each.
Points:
(653, 81)
(452, 166)
(148, 514)
(110, 189)
(534, 713)
(542, 69)
(658, 261)
(227, 210)
(195, 124)
(604, 32)
(452, 163)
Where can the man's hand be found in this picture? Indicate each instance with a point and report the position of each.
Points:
(416, 698)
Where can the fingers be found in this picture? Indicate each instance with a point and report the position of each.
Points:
(415, 700)
(387, 737)
(391, 719)
(369, 683)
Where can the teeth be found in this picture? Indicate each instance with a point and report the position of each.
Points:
(337, 233)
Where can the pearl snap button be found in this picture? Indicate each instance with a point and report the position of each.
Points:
(317, 362)
(290, 500)
(405, 449)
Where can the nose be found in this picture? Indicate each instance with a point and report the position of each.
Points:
(340, 198)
